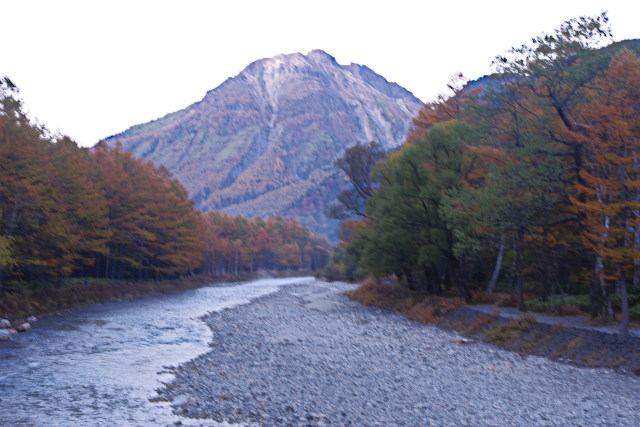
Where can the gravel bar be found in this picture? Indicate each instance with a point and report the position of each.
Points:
(306, 355)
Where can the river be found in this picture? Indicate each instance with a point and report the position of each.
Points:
(101, 365)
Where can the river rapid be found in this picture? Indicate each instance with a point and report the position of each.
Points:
(101, 365)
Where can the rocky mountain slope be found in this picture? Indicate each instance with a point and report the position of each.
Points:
(265, 142)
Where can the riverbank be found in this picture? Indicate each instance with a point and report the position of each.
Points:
(526, 335)
(44, 302)
(569, 339)
(307, 355)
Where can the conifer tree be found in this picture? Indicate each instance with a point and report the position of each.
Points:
(610, 185)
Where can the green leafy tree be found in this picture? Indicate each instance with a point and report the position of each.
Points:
(357, 163)
(407, 235)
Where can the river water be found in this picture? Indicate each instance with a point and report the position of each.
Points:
(101, 365)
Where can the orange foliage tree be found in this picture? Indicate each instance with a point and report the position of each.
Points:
(234, 244)
(610, 185)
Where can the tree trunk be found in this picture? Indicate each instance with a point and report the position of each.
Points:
(106, 265)
(447, 275)
(521, 305)
(595, 298)
(460, 278)
(512, 275)
(603, 285)
(609, 314)
(428, 279)
(552, 299)
(519, 268)
(408, 277)
(120, 263)
(636, 261)
(435, 278)
(544, 296)
(624, 300)
(496, 270)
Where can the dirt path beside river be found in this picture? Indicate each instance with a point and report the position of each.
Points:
(306, 355)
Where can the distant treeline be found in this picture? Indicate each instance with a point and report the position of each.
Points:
(68, 212)
(530, 176)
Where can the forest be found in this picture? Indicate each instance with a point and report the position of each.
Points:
(526, 181)
(70, 212)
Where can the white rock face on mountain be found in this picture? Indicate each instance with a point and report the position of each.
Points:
(265, 142)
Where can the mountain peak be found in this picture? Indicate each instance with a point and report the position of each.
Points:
(265, 141)
(321, 55)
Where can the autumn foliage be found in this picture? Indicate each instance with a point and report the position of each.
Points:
(68, 212)
(530, 177)
(234, 244)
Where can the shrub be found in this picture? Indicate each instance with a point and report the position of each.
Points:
(508, 302)
(422, 312)
(511, 329)
(633, 298)
(404, 304)
(416, 306)
(481, 297)
(500, 334)
(570, 310)
(16, 286)
(537, 305)
(372, 293)
(573, 304)
(482, 321)
(530, 319)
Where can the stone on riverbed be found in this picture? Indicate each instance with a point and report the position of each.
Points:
(181, 400)
(5, 335)
(5, 324)
(306, 355)
(23, 327)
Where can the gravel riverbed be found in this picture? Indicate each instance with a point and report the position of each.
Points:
(306, 355)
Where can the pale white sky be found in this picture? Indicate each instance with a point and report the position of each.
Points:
(90, 69)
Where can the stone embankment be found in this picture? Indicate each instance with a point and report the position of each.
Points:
(306, 355)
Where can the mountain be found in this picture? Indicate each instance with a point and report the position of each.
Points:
(265, 141)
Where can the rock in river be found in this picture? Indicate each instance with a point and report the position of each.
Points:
(23, 327)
